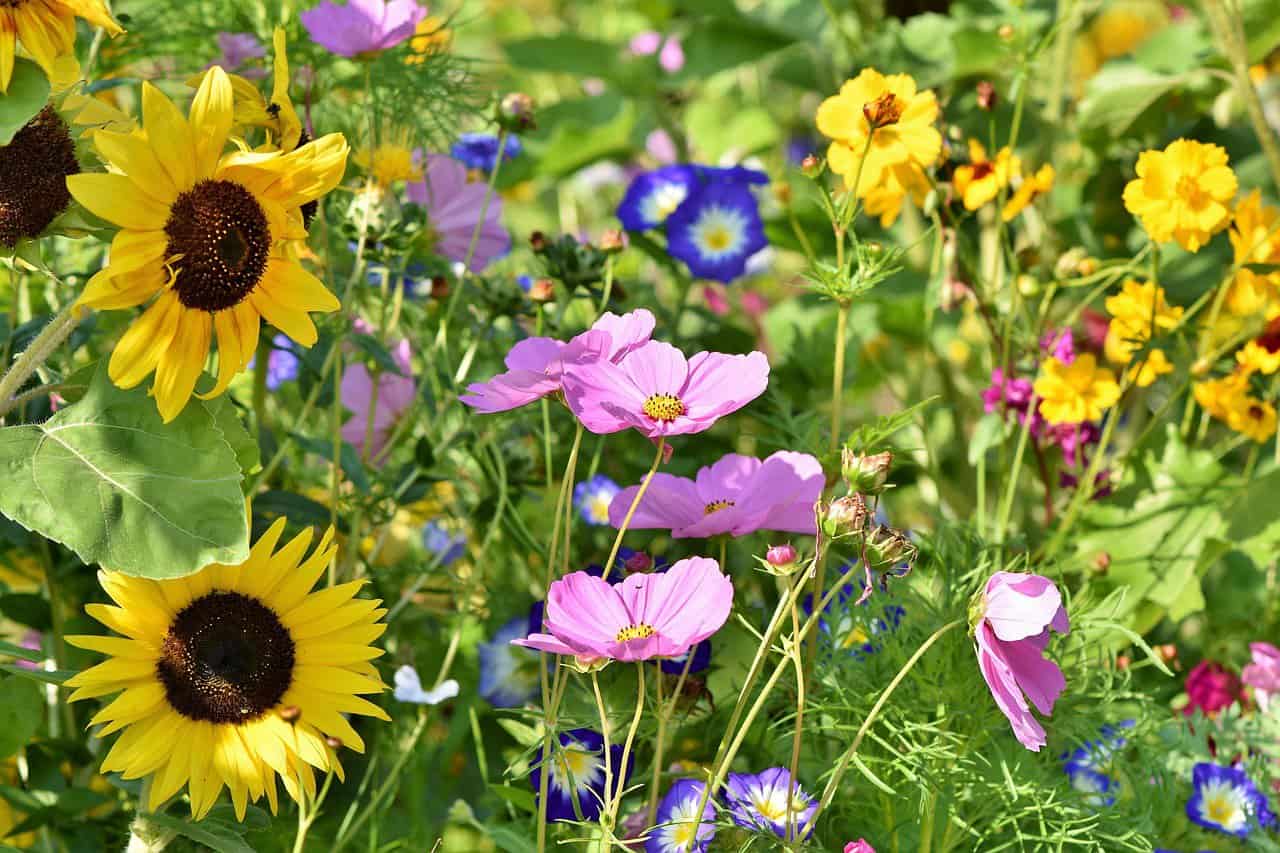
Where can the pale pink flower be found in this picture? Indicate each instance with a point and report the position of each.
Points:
(661, 614)
(737, 495)
(1018, 611)
(453, 206)
(1263, 673)
(396, 392)
(661, 147)
(535, 365)
(671, 57)
(657, 391)
(645, 43)
(716, 301)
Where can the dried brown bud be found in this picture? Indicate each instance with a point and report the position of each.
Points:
(439, 287)
(291, 713)
(538, 241)
(844, 516)
(542, 290)
(986, 95)
(811, 166)
(887, 547)
(883, 111)
(515, 112)
(866, 474)
(612, 241)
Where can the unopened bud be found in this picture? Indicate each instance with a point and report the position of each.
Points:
(1087, 266)
(1200, 367)
(883, 111)
(542, 290)
(538, 241)
(866, 474)
(638, 562)
(887, 547)
(811, 166)
(333, 742)
(1028, 285)
(782, 192)
(290, 713)
(1168, 652)
(515, 112)
(986, 95)
(781, 559)
(612, 241)
(1122, 662)
(439, 287)
(844, 516)
(1101, 563)
(1005, 32)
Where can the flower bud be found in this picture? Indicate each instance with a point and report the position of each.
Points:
(515, 113)
(986, 95)
(638, 562)
(1100, 563)
(844, 516)
(333, 742)
(1028, 285)
(1123, 662)
(538, 241)
(542, 290)
(1087, 266)
(439, 287)
(782, 192)
(887, 547)
(1200, 367)
(612, 241)
(1005, 32)
(866, 474)
(781, 559)
(811, 166)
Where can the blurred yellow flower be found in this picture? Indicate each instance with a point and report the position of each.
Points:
(389, 163)
(20, 572)
(1118, 29)
(885, 200)
(1182, 193)
(9, 816)
(893, 116)
(981, 180)
(1138, 312)
(47, 30)
(1079, 391)
(430, 37)
(1228, 399)
(1255, 357)
(1250, 293)
(1030, 189)
(1149, 369)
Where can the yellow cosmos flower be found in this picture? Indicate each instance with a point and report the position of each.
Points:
(429, 38)
(207, 232)
(1182, 193)
(1028, 191)
(1149, 369)
(1120, 27)
(234, 675)
(46, 29)
(899, 183)
(1228, 400)
(1255, 231)
(1251, 294)
(1138, 312)
(389, 163)
(890, 112)
(981, 180)
(1255, 357)
(1079, 391)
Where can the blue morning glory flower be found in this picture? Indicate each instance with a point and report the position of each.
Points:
(653, 196)
(1226, 800)
(740, 175)
(716, 230)
(480, 150)
(525, 282)
(759, 801)
(1089, 766)
(577, 772)
(701, 660)
(509, 674)
(440, 541)
(282, 363)
(851, 626)
(592, 498)
(678, 822)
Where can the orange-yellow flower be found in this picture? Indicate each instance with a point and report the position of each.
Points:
(1138, 312)
(981, 180)
(1150, 368)
(1079, 391)
(1228, 399)
(1182, 193)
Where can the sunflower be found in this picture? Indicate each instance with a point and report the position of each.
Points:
(209, 233)
(277, 113)
(234, 675)
(46, 29)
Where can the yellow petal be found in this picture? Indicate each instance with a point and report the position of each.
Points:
(170, 135)
(211, 115)
(139, 350)
(296, 324)
(132, 154)
(296, 289)
(182, 363)
(117, 199)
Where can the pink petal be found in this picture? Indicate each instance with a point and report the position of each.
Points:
(508, 391)
(627, 331)
(1021, 605)
(726, 478)
(601, 396)
(719, 384)
(657, 367)
(540, 355)
(585, 612)
(671, 59)
(686, 604)
(1004, 689)
(356, 390)
(645, 43)
(545, 643)
(669, 502)
(781, 494)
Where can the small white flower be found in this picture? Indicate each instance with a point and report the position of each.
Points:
(409, 688)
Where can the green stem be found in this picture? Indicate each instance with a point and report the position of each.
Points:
(1228, 29)
(36, 354)
(616, 799)
(837, 378)
(262, 359)
(346, 832)
(635, 503)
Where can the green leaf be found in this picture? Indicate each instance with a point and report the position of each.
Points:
(567, 53)
(596, 128)
(989, 433)
(21, 710)
(1261, 27)
(44, 676)
(1254, 513)
(1119, 94)
(718, 44)
(214, 834)
(19, 652)
(226, 416)
(108, 479)
(28, 93)
(521, 798)
(27, 608)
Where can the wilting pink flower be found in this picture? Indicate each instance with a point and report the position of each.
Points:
(658, 392)
(859, 846)
(362, 26)
(237, 49)
(1211, 687)
(737, 495)
(453, 206)
(1017, 613)
(535, 365)
(1263, 673)
(663, 614)
(396, 392)
(754, 304)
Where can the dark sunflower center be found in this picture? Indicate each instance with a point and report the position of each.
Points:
(981, 170)
(221, 232)
(226, 659)
(33, 175)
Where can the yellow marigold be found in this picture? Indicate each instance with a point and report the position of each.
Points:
(389, 163)
(1138, 312)
(1149, 369)
(1079, 391)
(1255, 357)
(981, 180)
(1182, 193)
(1030, 189)
(46, 29)
(890, 112)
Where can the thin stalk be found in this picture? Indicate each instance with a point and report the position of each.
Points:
(616, 800)
(261, 361)
(35, 355)
(607, 812)
(837, 375)
(346, 831)
(635, 503)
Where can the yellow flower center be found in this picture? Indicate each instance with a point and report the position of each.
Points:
(1220, 810)
(664, 407)
(1188, 189)
(718, 239)
(716, 506)
(634, 632)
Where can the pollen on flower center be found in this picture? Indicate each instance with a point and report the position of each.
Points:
(716, 506)
(226, 659)
(634, 632)
(664, 407)
(221, 233)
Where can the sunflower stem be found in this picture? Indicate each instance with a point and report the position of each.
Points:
(35, 355)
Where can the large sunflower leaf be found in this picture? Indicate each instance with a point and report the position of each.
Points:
(27, 95)
(108, 479)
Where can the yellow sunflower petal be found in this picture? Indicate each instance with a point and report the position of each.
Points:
(212, 112)
(182, 363)
(171, 136)
(45, 33)
(8, 41)
(139, 351)
(296, 289)
(118, 200)
(296, 324)
(133, 155)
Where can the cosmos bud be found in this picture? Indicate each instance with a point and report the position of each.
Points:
(781, 560)
(538, 241)
(638, 562)
(866, 474)
(542, 290)
(811, 166)
(986, 95)
(844, 516)
(612, 241)
(887, 547)
(515, 113)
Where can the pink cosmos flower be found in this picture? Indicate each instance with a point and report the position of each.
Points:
(1211, 687)
(859, 846)
(362, 26)
(396, 392)
(453, 206)
(658, 392)
(737, 495)
(1263, 673)
(1018, 611)
(664, 614)
(535, 365)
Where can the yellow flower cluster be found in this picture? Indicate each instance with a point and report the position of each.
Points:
(980, 180)
(1182, 193)
(1075, 392)
(883, 139)
(1118, 29)
(1228, 399)
(1138, 313)
(430, 37)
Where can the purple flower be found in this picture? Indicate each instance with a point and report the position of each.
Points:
(577, 774)
(508, 673)
(237, 49)
(453, 206)
(480, 150)
(1225, 799)
(716, 230)
(676, 819)
(395, 396)
(362, 26)
(1059, 344)
(1263, 674)
(1014, 393)
(592, 498)
(1074, 439)
(653, 196)
(759, 801)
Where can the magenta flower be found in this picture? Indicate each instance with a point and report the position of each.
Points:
(1012, 631)
(453, 206)
(1059, 344)
(1263, 673)
(535, 366)
(663, 614)
(362, 26)
(658, 392)
(396, 392)
(1211, 687)
(737, 495)
(1012, 393)
(859, 846)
